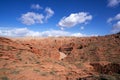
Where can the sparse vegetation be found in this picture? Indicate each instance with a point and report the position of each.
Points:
(44, 73)
(80, 46)
(5, 78)
(79, 65)
(1, 47)
(107, 77)
(43, 59)
(4, 69)
(10, 47)
(53, 72)
(15, 72)
(36, 70)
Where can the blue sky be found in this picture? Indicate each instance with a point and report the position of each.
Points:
(59, 17)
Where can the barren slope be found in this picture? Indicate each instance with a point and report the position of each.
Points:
(62, 58)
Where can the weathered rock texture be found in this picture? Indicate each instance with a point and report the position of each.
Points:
(62, 58)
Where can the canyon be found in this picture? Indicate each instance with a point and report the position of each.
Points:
(60, 58)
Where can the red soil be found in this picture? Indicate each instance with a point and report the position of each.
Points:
(89, 58)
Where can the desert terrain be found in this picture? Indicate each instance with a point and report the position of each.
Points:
(60, 58)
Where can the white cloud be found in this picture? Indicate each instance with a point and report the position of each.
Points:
(24, 32)
(116, 27)
(112, 3)
(12, 32)
(78, 35)
(117, 17)
(36, 6)
(82, 35)
(49, 13)
(74, 19)
(109, 20)
(115, 23)
(82, 27)
(31, 18)
(18, 32)
(55, 33)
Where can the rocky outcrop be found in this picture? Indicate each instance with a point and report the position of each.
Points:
(62, 55)
(108, 68)
(5, 40)
(66, 48)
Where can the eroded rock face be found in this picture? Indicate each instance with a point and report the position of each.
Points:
(41, 59)
(62, 55)
(102, 77)
(108, 68)
(66, 48)
(5, 40)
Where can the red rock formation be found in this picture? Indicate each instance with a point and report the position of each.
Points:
(90, 58)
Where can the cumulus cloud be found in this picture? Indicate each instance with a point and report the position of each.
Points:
(74, 19)
(82, 35)
(49, 13)
(36, 6)
(115, 23)
(30, 18)
(55, 33)
(18, 32)
(78, 34)
(12, 32)
(109, 20)
(24, 32)
(116, 27)
(113, 3)
(117, 17)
